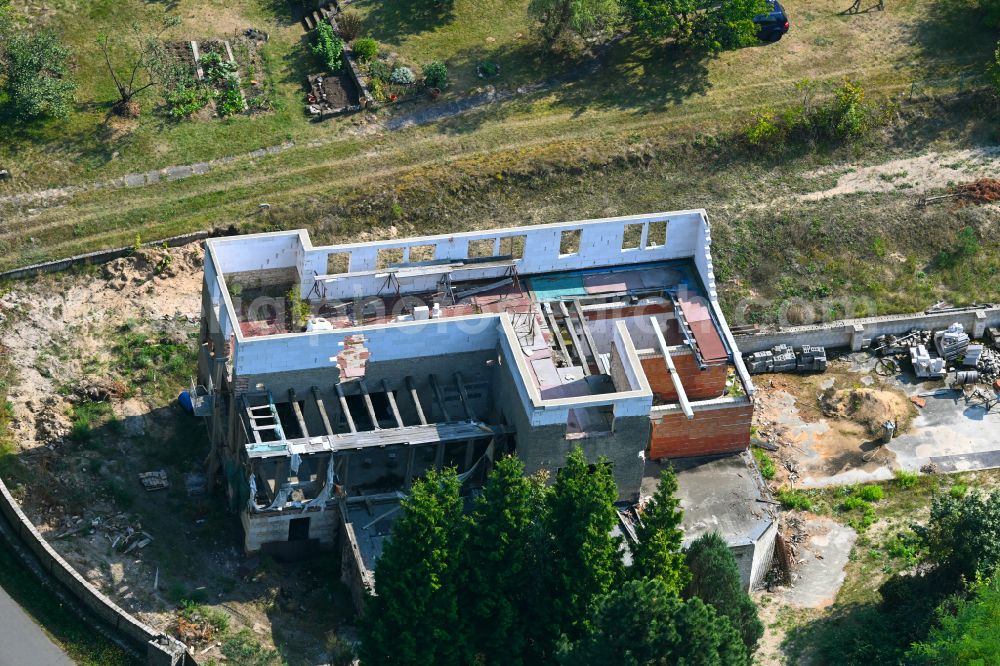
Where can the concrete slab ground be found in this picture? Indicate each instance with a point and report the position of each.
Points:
(822, 558)
(717, 494)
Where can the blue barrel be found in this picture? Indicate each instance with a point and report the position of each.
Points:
(185, 401)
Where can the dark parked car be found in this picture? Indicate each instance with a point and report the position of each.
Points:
(772, 25)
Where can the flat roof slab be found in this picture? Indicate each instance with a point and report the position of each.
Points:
(717, 494)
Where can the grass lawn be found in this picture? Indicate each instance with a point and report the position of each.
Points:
(568, 150)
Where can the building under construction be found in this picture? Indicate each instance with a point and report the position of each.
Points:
(332, 377)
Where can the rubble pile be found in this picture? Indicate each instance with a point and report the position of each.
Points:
(890, 345)
(982, 191)
(989, 365)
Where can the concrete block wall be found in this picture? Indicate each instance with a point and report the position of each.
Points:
(600, 244)
(719, 426)
(857, 334)
(403, 341)
(261, 528)
(698, 384)
(546, 446)
(158, 648)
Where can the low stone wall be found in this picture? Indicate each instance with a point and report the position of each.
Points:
(160, 650)
(857, 334)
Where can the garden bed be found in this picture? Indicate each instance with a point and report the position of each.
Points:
(331, 94)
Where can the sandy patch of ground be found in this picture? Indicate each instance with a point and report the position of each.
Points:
(55, 322)
(931, 171)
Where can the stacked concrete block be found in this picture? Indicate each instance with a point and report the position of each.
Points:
(784, 359)
(951, 343)
(924, 366)
(812, 359)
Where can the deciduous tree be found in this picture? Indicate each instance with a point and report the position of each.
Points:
(35, 68)
(135, 63)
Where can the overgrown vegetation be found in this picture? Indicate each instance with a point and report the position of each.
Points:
(931, 595)
(764, 463)
(845, 116)
(151, 361)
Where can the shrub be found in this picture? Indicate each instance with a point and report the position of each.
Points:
(958, 490)
(328, 47)
(870, 493)
(764, 463)
(403, 76)
(794, 499)
(365, 49)
(905, 479)
(488, 69)
(762, 127)
(380, 70)
(436, 75)
(349, 25)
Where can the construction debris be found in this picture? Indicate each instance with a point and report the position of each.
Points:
(951, 343)
(924, 366)
(154, 480)
(783, 358)
(988, 365)
(893, 345)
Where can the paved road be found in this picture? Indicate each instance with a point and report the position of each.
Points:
(22, 642)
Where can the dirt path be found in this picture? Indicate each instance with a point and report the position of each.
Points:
(926, 172)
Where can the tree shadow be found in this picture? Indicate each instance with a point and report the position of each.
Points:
(877, 632)
(625, 74)
(956, 39)
(389, 22)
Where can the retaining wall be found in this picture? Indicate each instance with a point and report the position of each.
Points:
(101, 256)
(160, 650)
(857, 334)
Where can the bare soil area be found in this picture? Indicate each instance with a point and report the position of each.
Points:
(101, 355)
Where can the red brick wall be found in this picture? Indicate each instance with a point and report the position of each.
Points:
(698, 384)
(714, 431)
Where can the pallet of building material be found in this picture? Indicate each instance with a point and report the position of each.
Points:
(952, 342)
(811, 359)
(782, 358)
(154, 480)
